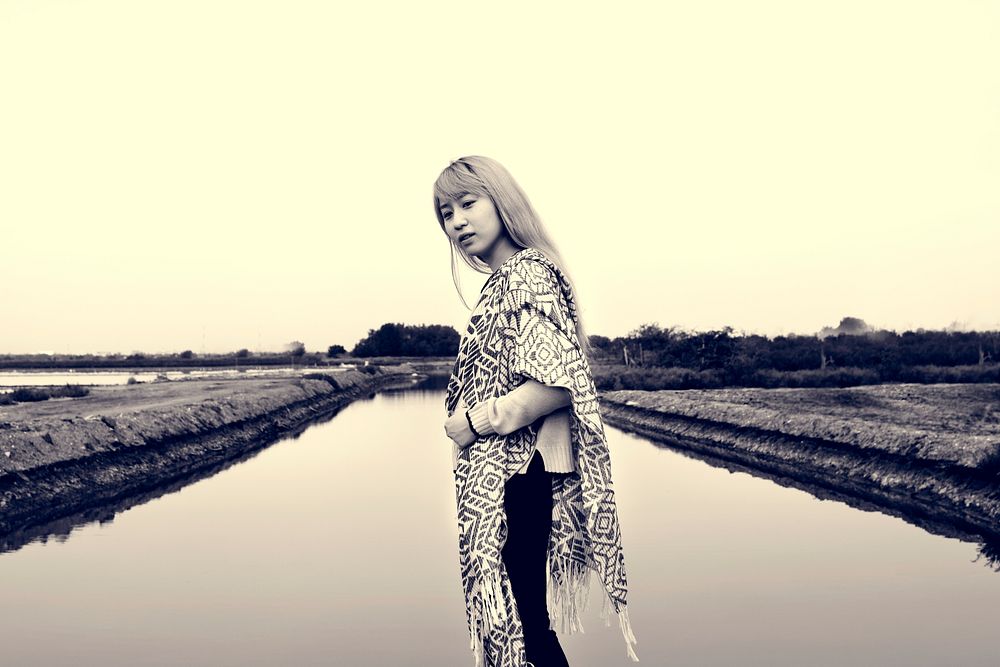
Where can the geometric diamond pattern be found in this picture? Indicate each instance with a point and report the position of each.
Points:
(524, 326)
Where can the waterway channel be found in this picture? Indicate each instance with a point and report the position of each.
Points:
(338, 547)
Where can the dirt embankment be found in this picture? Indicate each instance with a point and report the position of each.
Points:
(927, 453)
(64, 455)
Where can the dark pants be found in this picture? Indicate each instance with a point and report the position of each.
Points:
(528, 503)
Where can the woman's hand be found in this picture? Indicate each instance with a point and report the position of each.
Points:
(457, 427)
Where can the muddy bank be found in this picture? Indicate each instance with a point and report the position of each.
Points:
(63, 456)
(927, 453)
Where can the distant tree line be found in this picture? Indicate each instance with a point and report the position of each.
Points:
(186, 359)
(404, 340)
(718, 358)
(650, 345)
(652, 357)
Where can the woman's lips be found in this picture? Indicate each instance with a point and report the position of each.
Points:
(467, 238)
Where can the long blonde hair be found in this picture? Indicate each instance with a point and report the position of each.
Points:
(483, 176)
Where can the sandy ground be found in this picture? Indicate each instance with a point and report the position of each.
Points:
(117, 399)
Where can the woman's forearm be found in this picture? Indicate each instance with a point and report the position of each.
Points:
(518, 408)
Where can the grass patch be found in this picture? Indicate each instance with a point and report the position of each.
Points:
(615, 376)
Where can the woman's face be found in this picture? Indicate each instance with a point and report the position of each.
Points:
(473, 223)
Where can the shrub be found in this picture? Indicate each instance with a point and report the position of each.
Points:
(69, 391)
(651, 378)
(29, 394)
(951, 374)
(835, 377)
(33, 394)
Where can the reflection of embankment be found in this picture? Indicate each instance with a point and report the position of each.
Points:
(925, 453)
(72, 470)
(60, 529)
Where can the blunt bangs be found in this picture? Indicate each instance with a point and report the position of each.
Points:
(456, 181)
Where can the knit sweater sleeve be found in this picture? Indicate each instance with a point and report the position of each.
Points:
(517, 408)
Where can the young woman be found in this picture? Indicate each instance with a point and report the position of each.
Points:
(536, 506)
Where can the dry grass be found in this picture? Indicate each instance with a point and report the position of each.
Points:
(956, 424)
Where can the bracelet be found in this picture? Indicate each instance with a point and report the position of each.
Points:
(473, 428)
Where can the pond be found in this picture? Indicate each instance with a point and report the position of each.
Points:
(338, 546)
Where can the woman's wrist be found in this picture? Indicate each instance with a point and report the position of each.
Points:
(479, 419)
(472, 427)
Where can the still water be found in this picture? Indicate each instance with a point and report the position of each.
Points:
(338, 547)
(10, 379)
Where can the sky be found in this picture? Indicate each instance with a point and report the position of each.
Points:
(213, 174)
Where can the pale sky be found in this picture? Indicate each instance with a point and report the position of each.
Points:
(211, 175)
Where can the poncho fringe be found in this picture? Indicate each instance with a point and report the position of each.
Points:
(524, 325)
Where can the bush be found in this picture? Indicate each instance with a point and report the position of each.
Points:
(610, 378)
(69, 391)
(29, 394)
(835, 377)
(651, 378)
(950, 374)
(34, 394)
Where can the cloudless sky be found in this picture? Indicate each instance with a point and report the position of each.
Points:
(212, 174)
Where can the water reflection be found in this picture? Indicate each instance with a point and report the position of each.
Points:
(426, 383)
(987, 543)
(104, 514)
(339, 547)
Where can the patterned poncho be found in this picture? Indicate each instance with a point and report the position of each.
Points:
(524, 326)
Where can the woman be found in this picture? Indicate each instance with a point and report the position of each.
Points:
(536, 506)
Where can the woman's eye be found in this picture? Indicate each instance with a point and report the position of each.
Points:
(446, 215)
(469, 203)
